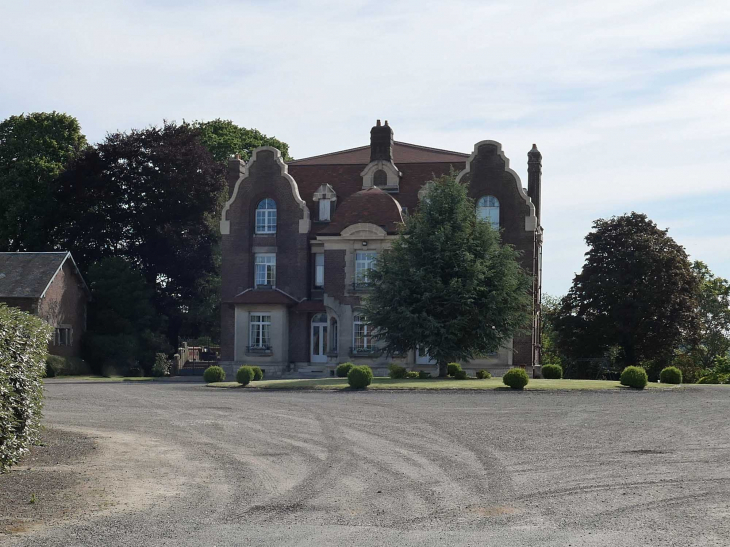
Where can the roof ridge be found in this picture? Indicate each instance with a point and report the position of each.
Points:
(431, 148)
(329, 154)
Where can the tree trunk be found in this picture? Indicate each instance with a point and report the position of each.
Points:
(443, 369)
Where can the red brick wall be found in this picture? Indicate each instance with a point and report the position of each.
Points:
(64, 304)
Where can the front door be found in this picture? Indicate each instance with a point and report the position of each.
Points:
(319, 338)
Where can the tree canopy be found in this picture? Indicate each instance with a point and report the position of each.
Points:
(636, 291)
(150, 196)
(714, 315)
(34, 150)
(447, 285)
(224, 139)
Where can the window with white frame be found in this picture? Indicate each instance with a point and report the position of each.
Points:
(265, 270)
(63, 336)
(364, 262)
(324, 210)
(266, 217)
(319, 270)
(361, 333)
(488, 210)
(260, 331)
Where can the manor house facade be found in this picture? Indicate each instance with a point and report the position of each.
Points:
(300, 237)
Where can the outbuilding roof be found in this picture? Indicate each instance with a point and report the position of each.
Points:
(28, 275)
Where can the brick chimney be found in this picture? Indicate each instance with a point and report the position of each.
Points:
(381, 142)
(534, 178)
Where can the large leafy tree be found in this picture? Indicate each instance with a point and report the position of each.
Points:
(447, 285)
(714, 315)
(152, 197)
(636, 292)
(224, 139)
(34, 149)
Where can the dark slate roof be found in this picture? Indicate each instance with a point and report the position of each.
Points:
(264, 296)
(403, 152)
(26, 275)
(372, 206)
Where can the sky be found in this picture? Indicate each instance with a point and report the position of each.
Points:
(628, 100)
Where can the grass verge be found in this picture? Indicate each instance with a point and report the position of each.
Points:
(440, 384)
(91, 378)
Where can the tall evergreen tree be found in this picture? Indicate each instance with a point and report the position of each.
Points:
(447, 285)
(636, 291)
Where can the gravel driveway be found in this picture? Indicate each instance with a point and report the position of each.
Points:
(182, 464)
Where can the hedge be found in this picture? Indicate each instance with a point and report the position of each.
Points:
(342, 369)
(245, 375)
(23, 346)
(214, 374)
(552, 372)
(397, 372)
(670, 375)
(484, 374)
(452, 368)
(516, 378)
(360, 377)
(635, 377)
(258, 374)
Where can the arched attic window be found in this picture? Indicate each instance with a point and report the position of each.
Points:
(380, 178)
(488, 210)
(266, 216)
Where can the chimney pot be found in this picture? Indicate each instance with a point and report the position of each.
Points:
(377, 123)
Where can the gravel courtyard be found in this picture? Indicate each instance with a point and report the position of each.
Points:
(179, 464)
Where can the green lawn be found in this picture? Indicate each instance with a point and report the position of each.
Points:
(438, 384)
(91, 378)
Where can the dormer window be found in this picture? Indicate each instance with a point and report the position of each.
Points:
(326, 197)
(324, 210)
(380, 178)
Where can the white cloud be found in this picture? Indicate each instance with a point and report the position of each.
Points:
(627, 100)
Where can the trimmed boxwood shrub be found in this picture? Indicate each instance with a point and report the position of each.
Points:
(411, 374)
(670, 375)
(516, 378)
(397, 372)
(634, 377)
(460, 375)
(214, 374)
(23, 345)
(245, 375)
(360, 377)
(483, 374)
(258, 374)
(452, 368)
(552, 372)
(423, 375)
(342, 369)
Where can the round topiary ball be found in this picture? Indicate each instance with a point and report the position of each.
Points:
(245, 375)
(360, 377)
(634, 377)
(452, 368)
(484, 374)
(460, 375)
(258, 374)
(342, 369)
(516, 378)
(214, 374)
(552, 372)
(670, 375)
